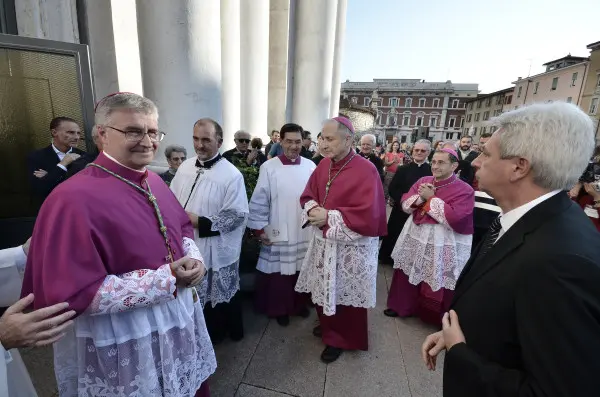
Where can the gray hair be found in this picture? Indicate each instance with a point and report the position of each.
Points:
(240, 132)
(425, 142)
(538, 133)
(174, 149)
(123, 100)
(371, 137)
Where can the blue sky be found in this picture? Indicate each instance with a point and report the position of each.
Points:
(490, 42)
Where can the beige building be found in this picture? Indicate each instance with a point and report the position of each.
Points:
(483, 108)
(590, 98)
(562, 81)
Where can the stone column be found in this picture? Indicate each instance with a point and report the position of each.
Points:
(180, 53)
(255, 67)
(340, 33)
(279, 24)
(230, 68)
(48, 19)
(313, 63)
(114, 48)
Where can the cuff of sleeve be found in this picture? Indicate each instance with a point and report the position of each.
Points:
(427, 205)
(62, 167)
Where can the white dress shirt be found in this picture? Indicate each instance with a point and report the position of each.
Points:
(511, 217)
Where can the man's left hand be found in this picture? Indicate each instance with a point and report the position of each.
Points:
(318, 216)
(451, 330)
(194, 219)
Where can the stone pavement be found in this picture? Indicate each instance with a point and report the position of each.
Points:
(273, 361)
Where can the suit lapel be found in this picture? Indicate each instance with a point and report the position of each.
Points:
(509, 242)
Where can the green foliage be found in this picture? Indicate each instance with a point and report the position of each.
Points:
(250, 174)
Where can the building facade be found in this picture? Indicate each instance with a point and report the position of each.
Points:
(251, 65)
(590, 98)
(410, 108)
(562, 81)
(483, 108)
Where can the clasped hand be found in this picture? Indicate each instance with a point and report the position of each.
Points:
(317, 216)
(188, 271)
(426, 191)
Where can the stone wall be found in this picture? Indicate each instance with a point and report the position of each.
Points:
(362, 120)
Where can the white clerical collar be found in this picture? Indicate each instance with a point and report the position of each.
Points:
(58, 151)
(113, 159)
(511, 217)
(206, 161)
(420, 164)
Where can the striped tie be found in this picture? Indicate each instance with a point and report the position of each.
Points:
(490, 237)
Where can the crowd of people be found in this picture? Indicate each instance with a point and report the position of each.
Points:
(134, 276)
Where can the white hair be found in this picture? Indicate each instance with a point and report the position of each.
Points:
(425, 142)
(240, 132)
(341, 128)
(557, 138)
(123, 100)
(371, 137)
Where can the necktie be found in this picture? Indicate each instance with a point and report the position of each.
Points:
(490, 237)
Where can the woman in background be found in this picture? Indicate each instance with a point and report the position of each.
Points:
(392, 159)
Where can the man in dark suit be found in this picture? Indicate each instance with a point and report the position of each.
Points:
(525, 319)
(367, 144)
(48, 166)
(89, 157)
(465, 170)
(404, 178)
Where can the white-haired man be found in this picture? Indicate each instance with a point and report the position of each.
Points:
(241, 152)
(526, 310)
(114, 243)
(344, 203)
(367, 146)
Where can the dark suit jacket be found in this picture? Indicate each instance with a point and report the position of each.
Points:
(530, 310)
(467, 172)
(81, 163)
(46, 159)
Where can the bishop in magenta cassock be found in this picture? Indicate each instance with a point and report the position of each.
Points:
(343, 203)
(114, 243)
(435, 242)
(276, 215)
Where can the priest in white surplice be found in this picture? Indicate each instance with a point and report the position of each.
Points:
(212, 192)
(275, 216)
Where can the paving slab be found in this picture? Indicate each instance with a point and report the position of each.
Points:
(246, 390)
(233, 357)
(377, 372)
(287, 359)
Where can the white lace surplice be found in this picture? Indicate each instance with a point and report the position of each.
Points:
(340, 269)
(276, 203)
(431, 253)
(219, 195)
(137, 339)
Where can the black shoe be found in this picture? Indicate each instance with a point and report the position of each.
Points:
(284, 321)
(390, 313)
(330, 354)
(317, 331)
(304, 313)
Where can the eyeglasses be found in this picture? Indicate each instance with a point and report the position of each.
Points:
(420, 150)
(243, 140)
(136, 135)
